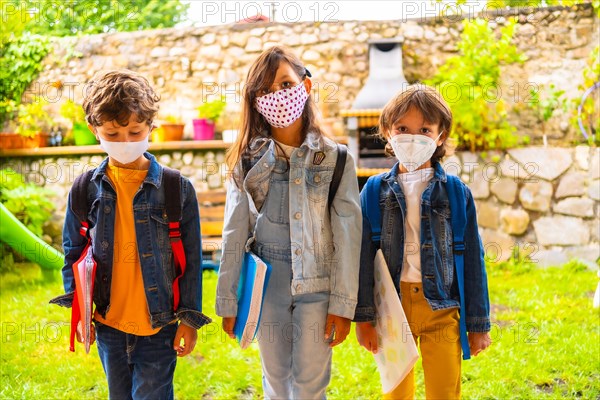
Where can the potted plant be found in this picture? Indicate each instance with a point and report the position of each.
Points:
(9, 138)
(169, 129)
(33, 123)
(229, 124)
(208, 114)
(82, 135)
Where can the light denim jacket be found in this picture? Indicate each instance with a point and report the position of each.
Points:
(153, 245)
(437, 259)
(325, 248)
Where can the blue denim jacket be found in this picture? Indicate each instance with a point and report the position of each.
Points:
(440, 286)
(153, 244)
(324, 247)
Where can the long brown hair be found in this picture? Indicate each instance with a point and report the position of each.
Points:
(430, 104)
(253, 124)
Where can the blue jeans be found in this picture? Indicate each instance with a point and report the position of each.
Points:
(137, 367)
(296, 359)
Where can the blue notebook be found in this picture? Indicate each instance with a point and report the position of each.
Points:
(252, 287)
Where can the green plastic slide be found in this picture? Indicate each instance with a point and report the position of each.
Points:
(26, 243)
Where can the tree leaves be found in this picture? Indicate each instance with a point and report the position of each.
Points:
(103, 16)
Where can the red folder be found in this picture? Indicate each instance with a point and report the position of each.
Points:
(84, 271)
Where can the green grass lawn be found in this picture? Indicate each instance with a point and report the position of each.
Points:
(545, 331)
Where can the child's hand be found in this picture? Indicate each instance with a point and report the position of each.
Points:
(367, 336)
(479, 341)
(79, 333)
(189, 336)
(338, 327)
(228, 324)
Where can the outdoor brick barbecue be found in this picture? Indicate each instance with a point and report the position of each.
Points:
(385, 80)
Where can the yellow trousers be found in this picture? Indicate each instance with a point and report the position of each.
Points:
(437, 336)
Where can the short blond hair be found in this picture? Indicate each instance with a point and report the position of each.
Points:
(428, 102)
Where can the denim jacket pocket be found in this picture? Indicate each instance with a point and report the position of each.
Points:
(275, 206)
(318, 180)
(160, 225)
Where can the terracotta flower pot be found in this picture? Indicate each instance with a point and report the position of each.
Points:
(170, 132)
(16, 141)
(10, 140)
(39, 140)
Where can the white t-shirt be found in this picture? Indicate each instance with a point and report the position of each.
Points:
(413, 185)
(288, 150)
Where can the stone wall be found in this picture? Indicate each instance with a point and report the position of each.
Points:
(189, 65)
(543, 201)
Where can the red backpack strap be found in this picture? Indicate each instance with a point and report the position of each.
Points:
(172, 182)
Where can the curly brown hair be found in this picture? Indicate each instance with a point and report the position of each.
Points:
(430, 103)
(115, 95)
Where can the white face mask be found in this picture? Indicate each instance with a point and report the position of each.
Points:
(283, 107)
(125, 152)
(413, 150)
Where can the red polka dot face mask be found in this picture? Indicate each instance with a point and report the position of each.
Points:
(283, 107)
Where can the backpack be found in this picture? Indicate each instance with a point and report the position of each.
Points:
(172, 185)
(458, 211)
(338, 172)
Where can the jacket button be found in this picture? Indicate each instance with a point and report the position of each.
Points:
(298, 215)
(300, 154)
(317, 178)
(104, 244)
(298, 252)
(416, 290)
(106, 209)
(104, 278)
(298, 181)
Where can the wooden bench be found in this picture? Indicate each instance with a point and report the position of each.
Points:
(212, 212)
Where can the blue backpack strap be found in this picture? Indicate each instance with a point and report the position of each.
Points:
(373, 189)
(458, 211)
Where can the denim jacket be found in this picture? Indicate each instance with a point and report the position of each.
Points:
(440, 286)
(153, 245)
(323, 244)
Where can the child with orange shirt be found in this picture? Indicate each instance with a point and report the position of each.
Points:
(142, 311)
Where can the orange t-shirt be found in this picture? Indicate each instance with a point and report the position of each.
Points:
(128, 310)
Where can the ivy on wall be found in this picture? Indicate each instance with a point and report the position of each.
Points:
(470, 81)
(590, 109)
(21, 55)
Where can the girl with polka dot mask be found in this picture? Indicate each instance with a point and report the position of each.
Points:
(278, 207)
(282, 107)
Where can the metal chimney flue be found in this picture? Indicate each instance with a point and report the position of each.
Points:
(386, 77)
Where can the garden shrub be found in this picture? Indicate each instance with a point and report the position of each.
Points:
(470, 83)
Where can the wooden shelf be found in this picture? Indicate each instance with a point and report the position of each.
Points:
(95, 149)
(154, 147)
